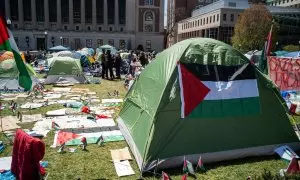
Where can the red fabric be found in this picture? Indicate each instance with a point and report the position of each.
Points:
(194, 91)
(26, 156)
(63, 137)
(85, 109)
(83, 140)
(3, 31)
(184, 177)
(293, 167)
(269, 43)
(293, 108)
(284, 72)
(42, 171)
(165, 176)
(101, 116)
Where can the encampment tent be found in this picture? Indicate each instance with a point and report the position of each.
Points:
(58, 48)
(201, 97)
(65, 68)
(9, 75)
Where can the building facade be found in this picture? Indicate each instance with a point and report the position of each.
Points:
(218, 19)
(177, 11)
(284, 3)
(125, 24)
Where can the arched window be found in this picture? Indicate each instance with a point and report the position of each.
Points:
(149, 21)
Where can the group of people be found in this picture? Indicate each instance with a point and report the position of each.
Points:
(134, 61)
(108, 62)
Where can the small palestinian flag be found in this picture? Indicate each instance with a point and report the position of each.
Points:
(84, 143)
(61, 148)
(188, 167)
(200, 165)
(184, 177)
(55, 126)
(100, 141)
(215, 91)
(165, 176)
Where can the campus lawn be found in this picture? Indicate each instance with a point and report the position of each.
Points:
(96, 164)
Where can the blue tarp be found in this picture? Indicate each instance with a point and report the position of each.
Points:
(292, 54)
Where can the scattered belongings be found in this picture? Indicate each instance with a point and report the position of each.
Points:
(123, 168)
(121, 154)
(286, 153)
(80, 90)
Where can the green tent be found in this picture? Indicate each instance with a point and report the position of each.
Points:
(9, 75)
(201, 97)
(65, 69)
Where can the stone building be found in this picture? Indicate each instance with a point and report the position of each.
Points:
(284, 3)
(125, 24)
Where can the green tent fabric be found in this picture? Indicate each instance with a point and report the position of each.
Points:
(151, 121)
(9, 75)
(65, 69)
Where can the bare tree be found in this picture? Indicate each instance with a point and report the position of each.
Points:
(177, 15)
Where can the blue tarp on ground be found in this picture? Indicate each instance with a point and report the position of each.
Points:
(292, 54)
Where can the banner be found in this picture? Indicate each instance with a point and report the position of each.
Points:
(285, 72)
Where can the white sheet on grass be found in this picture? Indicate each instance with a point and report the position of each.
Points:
(32, 105)
(112, 100)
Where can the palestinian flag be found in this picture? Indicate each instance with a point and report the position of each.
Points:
(214, 91)
(100, 141)
(200, 164)
(188, 167)
(7, 42)
(55, 126)
(165, 176)
(266, 51)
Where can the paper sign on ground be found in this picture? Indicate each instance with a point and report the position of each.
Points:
(5, 163)
(120, 154)
(123, 168)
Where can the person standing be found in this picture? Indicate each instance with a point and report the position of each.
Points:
(104, 65)
(118, 62)
(110, 64)
(144, 61)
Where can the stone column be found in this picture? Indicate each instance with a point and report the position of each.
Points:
(105, 15)
(116, 14)
(21, 14)
(71, 22)
(94, 16)
(58, 14)
(33, 14)
(82, 14)
(46, 13)
(7, 9)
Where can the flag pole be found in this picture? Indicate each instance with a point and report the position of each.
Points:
(155, 170)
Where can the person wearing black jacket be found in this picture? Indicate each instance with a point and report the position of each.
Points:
(118, 62)
(104, 65)
(110, 64)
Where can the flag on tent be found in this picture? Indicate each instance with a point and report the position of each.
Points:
(7, 42)
(200, 164)
(214, 91)
(188, 167)
(266, 51)
(184, 177)
(165, 176)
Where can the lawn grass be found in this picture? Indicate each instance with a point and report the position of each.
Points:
(96, 164)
